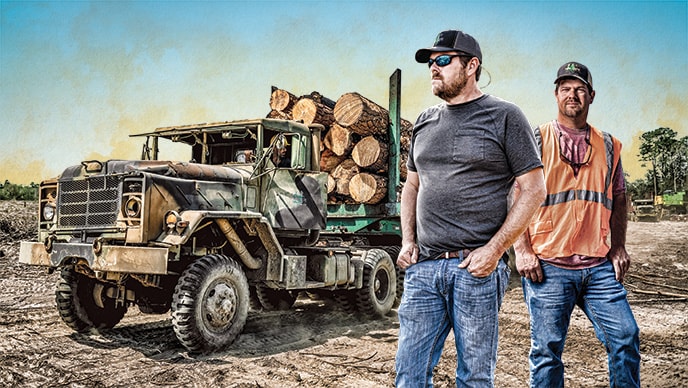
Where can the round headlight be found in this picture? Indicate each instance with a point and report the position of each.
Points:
(48, 212)
(132, 208)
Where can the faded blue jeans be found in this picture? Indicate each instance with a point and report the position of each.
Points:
(603, 299)
(439, 297)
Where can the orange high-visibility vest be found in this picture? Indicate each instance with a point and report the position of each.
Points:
(574, 218)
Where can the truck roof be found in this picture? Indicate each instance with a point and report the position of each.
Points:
(187, 133)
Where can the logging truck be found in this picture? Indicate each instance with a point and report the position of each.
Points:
(243, 222)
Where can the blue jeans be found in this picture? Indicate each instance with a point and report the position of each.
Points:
(603, 299)
(439, 297)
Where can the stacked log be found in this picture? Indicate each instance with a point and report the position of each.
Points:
(361, 115)
(281, 100)
(310, 111)
(355, 143)
(371, 154)
(340, 140)
(368, 188)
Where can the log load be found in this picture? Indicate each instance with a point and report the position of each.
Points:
(281, 100)
(368, 188)
(361, 115)
(312, 112)
(354, 144)
(371, 154)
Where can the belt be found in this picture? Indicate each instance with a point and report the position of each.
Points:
(462, 253)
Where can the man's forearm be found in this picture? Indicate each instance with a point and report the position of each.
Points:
(526, 200)
(409, 195)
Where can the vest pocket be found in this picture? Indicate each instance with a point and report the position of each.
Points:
(539, 227)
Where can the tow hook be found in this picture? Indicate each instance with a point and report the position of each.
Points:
(98, 246)
(49, 243)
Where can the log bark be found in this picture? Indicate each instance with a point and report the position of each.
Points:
(278, 114)
(329, 160)
(331, 184)
(343, 173)
(281, 100)
(361, 115)
(371, 154)
(322, 99)
(403, 170)
(312, 112)
(405, 133)
(368, 188)
(339, 139)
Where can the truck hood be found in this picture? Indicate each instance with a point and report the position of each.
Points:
(176, 169)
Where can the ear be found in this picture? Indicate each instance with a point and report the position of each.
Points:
(592, 96)
(472, 65)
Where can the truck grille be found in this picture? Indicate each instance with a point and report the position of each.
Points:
(89, 203)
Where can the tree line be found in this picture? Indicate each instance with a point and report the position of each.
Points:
(13, 191)
(661, 152)
(666, 158)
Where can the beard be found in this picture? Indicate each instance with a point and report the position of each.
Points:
(451, 89)
(572, 111)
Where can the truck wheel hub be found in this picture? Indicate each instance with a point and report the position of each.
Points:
(220, 306)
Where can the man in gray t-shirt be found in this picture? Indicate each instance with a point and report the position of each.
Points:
(465, 155)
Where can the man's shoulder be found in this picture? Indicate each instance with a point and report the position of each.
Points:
(500, 102)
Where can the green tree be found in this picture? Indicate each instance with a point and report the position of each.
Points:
(668, 157)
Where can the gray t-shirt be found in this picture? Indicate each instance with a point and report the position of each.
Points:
(467, 157)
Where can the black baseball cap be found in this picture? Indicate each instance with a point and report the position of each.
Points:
(574, 70)
(451, 40)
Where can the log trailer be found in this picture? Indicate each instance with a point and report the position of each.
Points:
(207, 239)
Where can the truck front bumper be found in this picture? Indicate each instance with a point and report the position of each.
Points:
(111, 258)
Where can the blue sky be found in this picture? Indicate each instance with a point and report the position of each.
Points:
(78, 77)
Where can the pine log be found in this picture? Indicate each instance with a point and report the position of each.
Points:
(331, 184)
(361, 115)
(281, 100)
(371, 154)
(329, 160)
(339, 139)
(368, 188)
(405, 132)
(403, 170)
(278, 114)
(312, 112)
(343, 173)
(322, 99)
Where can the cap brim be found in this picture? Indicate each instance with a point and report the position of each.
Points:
(569, 76)
(423, 55)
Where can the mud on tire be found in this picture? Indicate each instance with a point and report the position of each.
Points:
(75, 298)
(210, 304)
(378, 294)
(275, 300)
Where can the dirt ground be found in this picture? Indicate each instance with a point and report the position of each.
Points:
(315, 344)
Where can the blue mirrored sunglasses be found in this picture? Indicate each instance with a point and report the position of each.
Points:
(444, 60)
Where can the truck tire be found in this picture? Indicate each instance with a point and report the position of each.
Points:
(393, 251)
(74, 296)
(379, 291)
(275, 300)
(210, 304)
